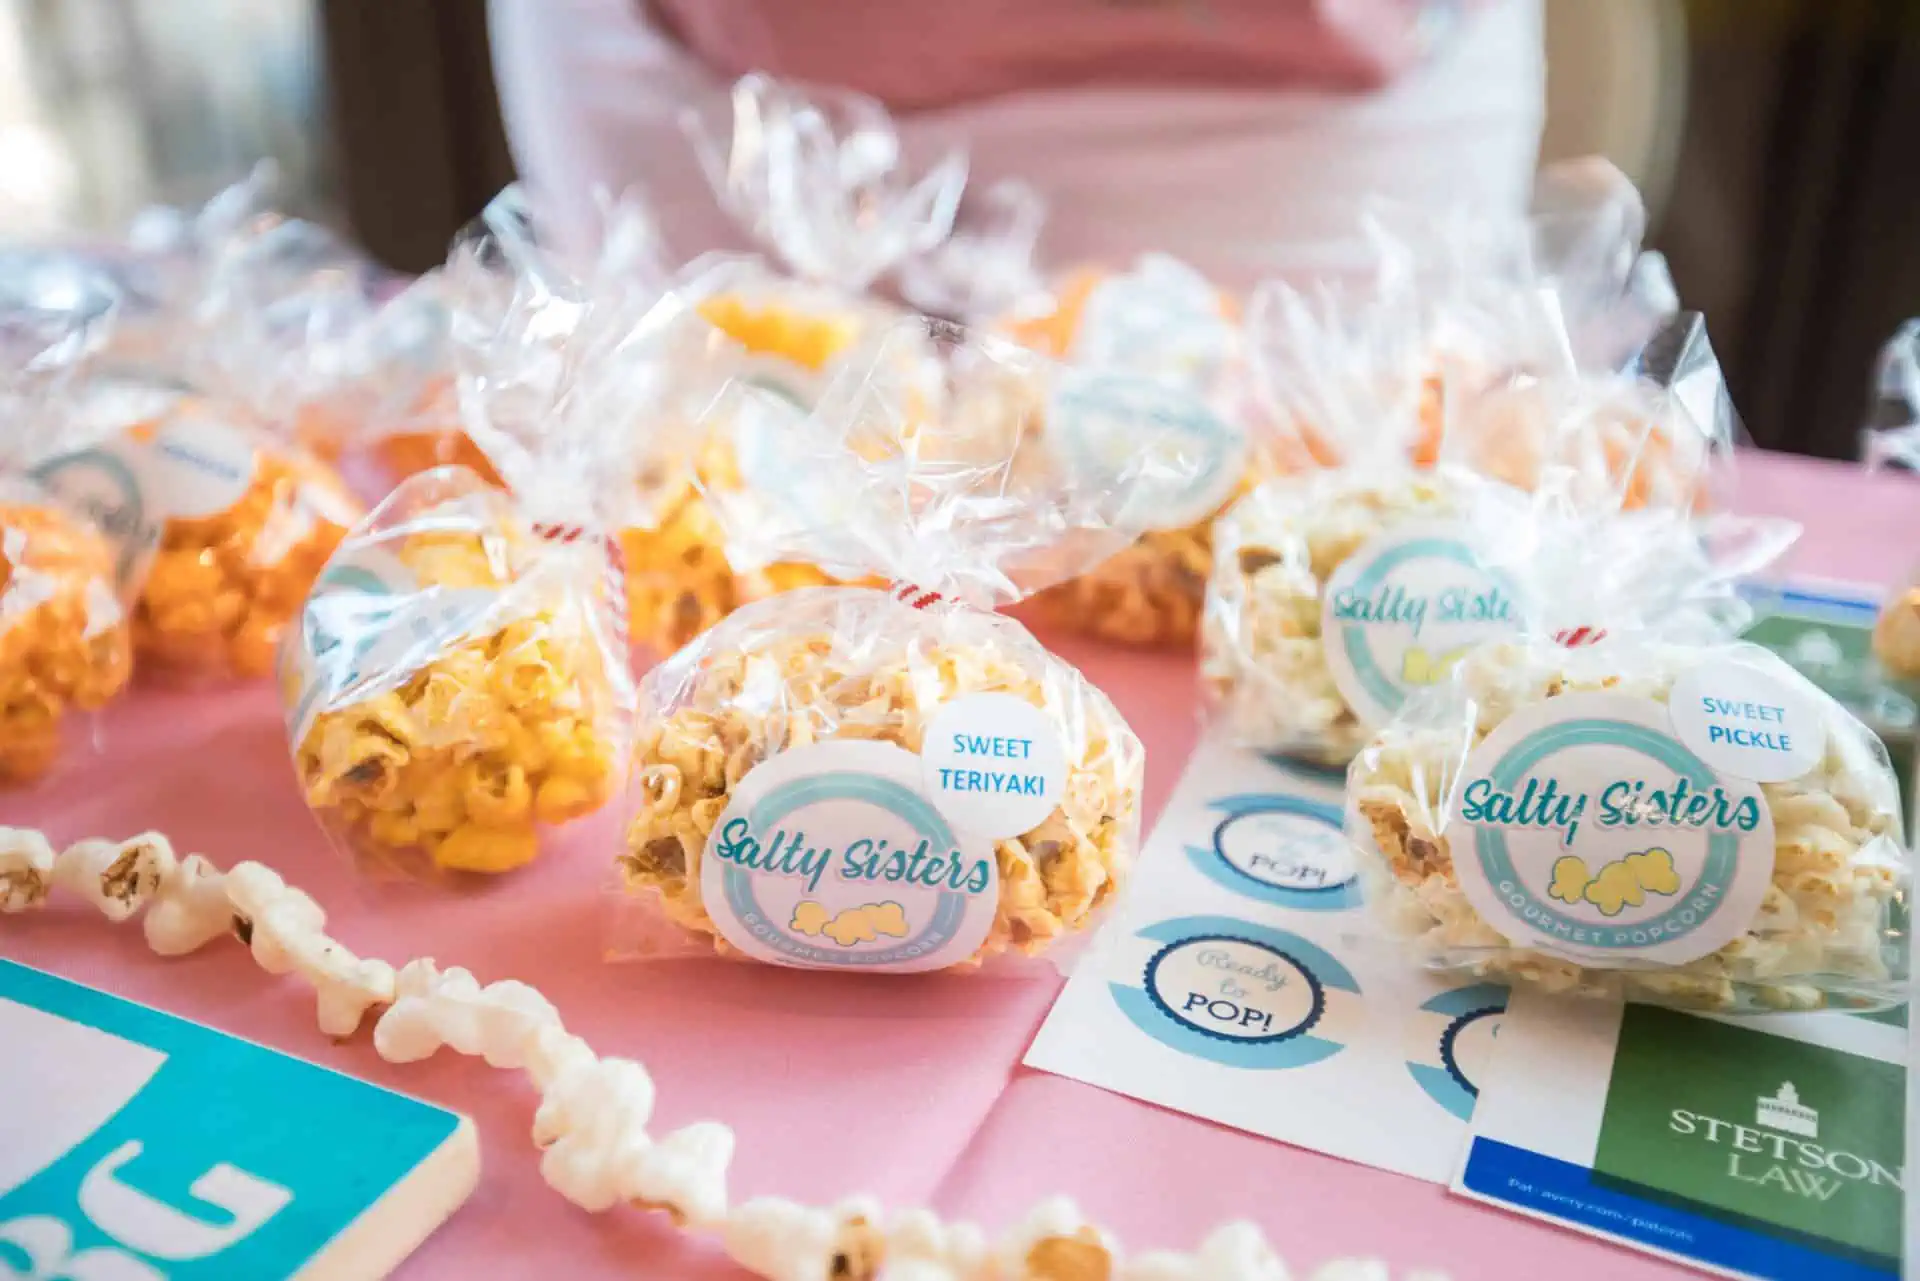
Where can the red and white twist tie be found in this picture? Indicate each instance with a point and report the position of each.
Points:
(616, 567)
(1576, 637)
(916, 596)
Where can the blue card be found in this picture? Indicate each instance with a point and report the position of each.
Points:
(138, 1146)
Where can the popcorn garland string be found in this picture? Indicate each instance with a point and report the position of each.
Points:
(591, 1122)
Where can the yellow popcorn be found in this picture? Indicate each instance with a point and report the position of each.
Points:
(453, 690)
(852, 665)
(64, 640)
(219, 531)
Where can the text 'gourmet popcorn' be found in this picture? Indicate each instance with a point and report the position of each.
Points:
(846, 777)
(1620, 801)
(65, 642)
(459, 684)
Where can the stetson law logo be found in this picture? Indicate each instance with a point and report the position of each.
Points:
(1797, 1141)
(1777, 1150)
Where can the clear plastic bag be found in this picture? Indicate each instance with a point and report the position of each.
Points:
(1283, 668)
(844, 777)
(1622, 801)
(1163, 321)
(228, 324)
(1338, 594)
(818, 179)
(219, 527)
(65, 643)
(459, 684)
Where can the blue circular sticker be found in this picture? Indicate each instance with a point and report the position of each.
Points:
(1287, 850)
(1240, 994)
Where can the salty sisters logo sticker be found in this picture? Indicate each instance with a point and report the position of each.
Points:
(1401, 611)
(1290, 851)
(830, 856)
(1240, 994)
(1598, 835)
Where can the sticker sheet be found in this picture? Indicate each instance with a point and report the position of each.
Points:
(1239, 984)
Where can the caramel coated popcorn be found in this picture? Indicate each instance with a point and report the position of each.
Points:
(222, 589)
(459, 711)
(678, 580)
(1263, 660)
(64, 640)
(1822, 933)
(854, 665)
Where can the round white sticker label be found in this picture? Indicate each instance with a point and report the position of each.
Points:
(1181, 459)
(1403, 609)
(993, 765)
(1586, 828)
(1235, 989)
(1286, 850)
(196, 466)
(832, 856)
(1162, 318)
(1747, 722)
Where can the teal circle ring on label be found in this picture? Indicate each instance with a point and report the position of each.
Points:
(121, 517)
(1598, 836)
(1723, 848)
(1381, 641)
(903, 802)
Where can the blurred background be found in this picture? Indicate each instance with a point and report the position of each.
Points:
(1773, 139)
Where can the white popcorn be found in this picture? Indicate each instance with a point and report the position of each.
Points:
(552, 1053)
(684, 1173)
(26, 868)
(1352, 1270)
(784, 1241)
(190, 909)
(1232, 1252)
(918, 1237)
(498, 1022)
(347, 987)
(1263, 661)
(593, 1123)
(1055, 1238)
(118, 877)
(274, 914)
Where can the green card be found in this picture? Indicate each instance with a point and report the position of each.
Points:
(1802, 1142)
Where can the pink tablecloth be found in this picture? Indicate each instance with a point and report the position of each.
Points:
(908, 1088)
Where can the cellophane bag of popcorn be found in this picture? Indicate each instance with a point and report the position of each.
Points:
(819, 181)
(219, 516)
(1164, 332)
(459, 685)
(1335, 591)
(65, 644)
(853, 778)
(1620, 800)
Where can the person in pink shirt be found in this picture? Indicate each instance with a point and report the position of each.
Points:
(1241, 135)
